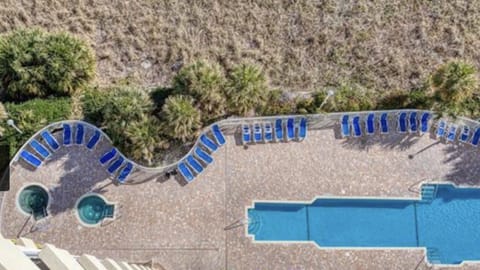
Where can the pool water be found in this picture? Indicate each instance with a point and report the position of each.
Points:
(92, 209)
(33, 200)
(446, 221)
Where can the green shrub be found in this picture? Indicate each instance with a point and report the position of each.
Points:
(312, 104)
(454, 82)
(204, 82)
(181, 119)
(32, 116)
(277, 102)
(38, 64)
(349, 97)
(246, 89)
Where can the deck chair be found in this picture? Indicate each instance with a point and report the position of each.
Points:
(218, 135)
(357, 129)
(452, 133)
(197, 166)
(125, 172)
(94, 140)
(50, 140)
(442, 125)
(345, 126)
(465, 134)
(40, 149)
(30, 158)
(370, 124)
(384, 123)
(202, 155)
(246, 134)
(185, 172)
(67, 134)
(302, 129)
(476, 137)
(268, 131)
(290, 129)
(402, 122)
(208, 143)
(79, 133)
(425, 122)
(278, 130)
(257, 133)
(108, 156)
(413, 122)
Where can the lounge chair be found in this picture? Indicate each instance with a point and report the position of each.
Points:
(370, 124)
(442, 125)
(208, 143)
(204, 156)
(476, 137)
(290, 129)
(185, 172)
(107, 156)
(357, 130)
(345, 126)
(194, 164)
(257, 133)
(79, 134)
(302, 129)
(465, 134)
(246, 134)
(218, 135)
(40, 149)
(413, 122)
(30, 158)
(384, 123)
(452, 133)
(268, 131)
(94, 140)
(402, 122)
(115, 165)
(67, 134)
(50, 140)
(425, 122)
(125, 172)
(278, 130)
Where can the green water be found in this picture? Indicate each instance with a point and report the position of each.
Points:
(34, 200)
(93, 209)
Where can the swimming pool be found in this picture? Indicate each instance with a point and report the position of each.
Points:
(445, 221)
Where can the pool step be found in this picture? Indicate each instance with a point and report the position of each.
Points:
(433, 256)
(429, 193)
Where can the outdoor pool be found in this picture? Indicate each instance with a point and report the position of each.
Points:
(446, 221)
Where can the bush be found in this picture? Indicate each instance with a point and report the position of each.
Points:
(181, 119)
(32, 116)
(38, 64)
(454, 82)
(349, 97)
(205, 83)
(246, 89)
(277, 102)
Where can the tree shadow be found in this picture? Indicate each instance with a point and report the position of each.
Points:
(465, 159)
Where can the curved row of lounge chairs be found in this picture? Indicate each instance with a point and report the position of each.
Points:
(43, 147)
(195, 162)
(283, 131)
(453, 132)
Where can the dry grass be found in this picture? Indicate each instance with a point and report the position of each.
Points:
(303, 45)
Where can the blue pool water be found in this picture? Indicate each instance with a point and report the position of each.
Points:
(446, 221)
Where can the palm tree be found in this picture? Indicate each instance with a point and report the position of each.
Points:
(452, 85)
(144, 139)
(205, 83)
(182, 119)
(246, 89)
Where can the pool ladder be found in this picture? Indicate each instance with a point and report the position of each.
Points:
(429, 192)
(433, 256)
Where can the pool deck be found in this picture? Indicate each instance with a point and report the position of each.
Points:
(194, 226)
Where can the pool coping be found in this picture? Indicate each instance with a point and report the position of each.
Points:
(49, 203)
(99, 224)
(256, 242)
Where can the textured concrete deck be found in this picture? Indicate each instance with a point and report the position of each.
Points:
(184, 226)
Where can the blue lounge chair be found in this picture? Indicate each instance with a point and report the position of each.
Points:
(345, 126)
(30, 158)
(217, 133)
(50, 140)
(67, 134)
(268, 132)
(204, 156)
(465, 134)
(107, 156)
(384, 123)
(246, 134)
(357, 130)
(452, 133)
(442, 125)
(80, 134)
(94, 140)
(476, 137)
(290, 129)
(197, 167)
(302, 129)
(278, 130)
(185, 172)
(413, 122)
(125, 172)
(39, 148)
(115, 165)
(370, 124)
(402, 122)
(208, 143)
(424, 122)
(257, 133)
